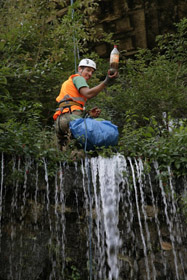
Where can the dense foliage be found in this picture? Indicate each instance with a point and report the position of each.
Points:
(38, 48)
(36, 57)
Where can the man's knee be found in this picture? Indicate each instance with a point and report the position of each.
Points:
(62, 126)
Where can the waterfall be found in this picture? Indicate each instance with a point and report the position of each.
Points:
(97, 219)
(108, 210)
(111, 188)
(170, 223)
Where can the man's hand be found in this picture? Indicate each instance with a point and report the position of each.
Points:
(94, 112)
(110, 78)
(112, 74)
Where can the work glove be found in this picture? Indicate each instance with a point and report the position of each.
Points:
(94, 112)
(110, 78)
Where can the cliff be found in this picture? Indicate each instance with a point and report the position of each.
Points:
(136, 23)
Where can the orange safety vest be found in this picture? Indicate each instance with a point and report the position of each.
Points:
(69, 93)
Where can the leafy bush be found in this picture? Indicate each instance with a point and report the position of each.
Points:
(169, 150)
(37, 56)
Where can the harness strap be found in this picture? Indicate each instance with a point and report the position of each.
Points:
(68, 104)
(64, 104)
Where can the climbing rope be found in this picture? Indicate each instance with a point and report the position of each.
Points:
(76, 49)
(90, 200)
(76, 54)
(90, 217)
(86, 136)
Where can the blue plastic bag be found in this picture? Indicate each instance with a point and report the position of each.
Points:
(92, 133)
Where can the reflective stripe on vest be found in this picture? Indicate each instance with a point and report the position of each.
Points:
(73, 98)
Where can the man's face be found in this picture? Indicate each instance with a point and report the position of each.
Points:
(86, 72)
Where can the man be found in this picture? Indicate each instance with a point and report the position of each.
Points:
(73, 96)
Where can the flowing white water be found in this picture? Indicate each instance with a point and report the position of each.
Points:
(139, 220)
(176, 220)
(84, 170)
(26, 170)
(100, 258)
(47, 185)
(141, 177)
(107, 211)
(62, 217)
(36, 194)
(128, 218)
(121, 237)
(16, 169)
(155, 211)
(110, 183)
(168, 220)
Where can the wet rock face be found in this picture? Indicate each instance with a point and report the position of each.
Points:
(136, 231)
(136, 23)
